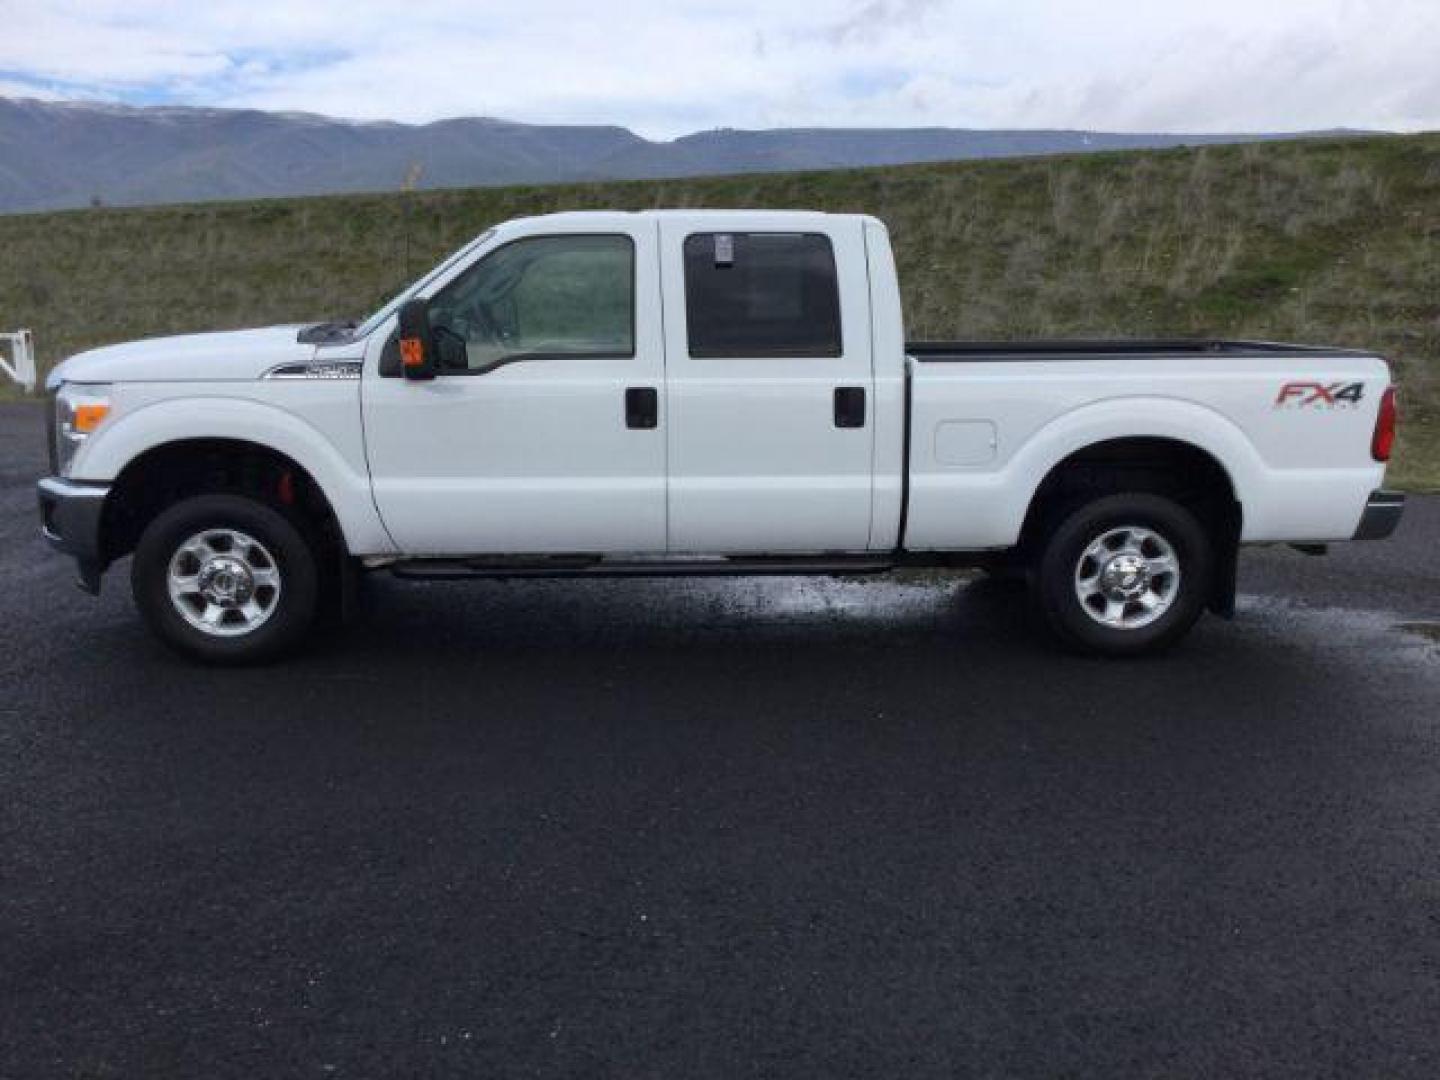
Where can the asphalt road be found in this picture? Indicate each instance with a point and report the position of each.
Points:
(723, 829)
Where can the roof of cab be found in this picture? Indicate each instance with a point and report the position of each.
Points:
(735, 217)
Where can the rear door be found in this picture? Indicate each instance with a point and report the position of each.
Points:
(769, 385)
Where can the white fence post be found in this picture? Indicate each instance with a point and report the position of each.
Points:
(21, 365)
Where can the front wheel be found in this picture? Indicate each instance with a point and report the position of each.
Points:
(1125, 575)
(226, 579)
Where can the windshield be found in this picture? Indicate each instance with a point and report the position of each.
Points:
(369, 325)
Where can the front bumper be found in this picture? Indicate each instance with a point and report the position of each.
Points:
(1382, 516)
(70, 514)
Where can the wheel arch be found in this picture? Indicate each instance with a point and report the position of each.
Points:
(242, 426)
(1190, 474)
(166, 473)
(1140, 418)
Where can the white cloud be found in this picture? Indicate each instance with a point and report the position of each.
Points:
(11, 88)
(669, 66)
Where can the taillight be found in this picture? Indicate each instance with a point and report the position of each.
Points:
(1384, 441)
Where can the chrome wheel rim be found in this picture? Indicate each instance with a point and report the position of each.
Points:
(1127, 577)
(224, 583)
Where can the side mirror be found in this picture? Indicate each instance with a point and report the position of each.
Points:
(417, 344)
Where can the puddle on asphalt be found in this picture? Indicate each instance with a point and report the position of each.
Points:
(1383, 635)
(1279, 622)
(924, 602)
(800, 598)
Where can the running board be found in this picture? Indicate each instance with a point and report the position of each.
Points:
(445, 569)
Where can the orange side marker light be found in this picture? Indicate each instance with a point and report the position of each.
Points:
(412, 352)
(89, 417)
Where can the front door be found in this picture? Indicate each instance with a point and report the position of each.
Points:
(770, 388)
(549, 435)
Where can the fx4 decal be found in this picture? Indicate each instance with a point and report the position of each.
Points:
(1321, 395)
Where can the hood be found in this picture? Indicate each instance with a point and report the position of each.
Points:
(230, 356)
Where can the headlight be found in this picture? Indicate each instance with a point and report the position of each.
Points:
(79, 409)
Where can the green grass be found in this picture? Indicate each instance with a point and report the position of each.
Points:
(1335, 242)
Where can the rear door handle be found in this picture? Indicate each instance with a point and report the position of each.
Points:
(849, 406)
(642, 408)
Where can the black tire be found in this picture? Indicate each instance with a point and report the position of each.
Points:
(296, 600)
(1059, 564)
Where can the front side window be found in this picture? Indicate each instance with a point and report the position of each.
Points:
(761, 295)
(548, 296)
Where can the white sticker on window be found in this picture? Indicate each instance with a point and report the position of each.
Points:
(724, 249)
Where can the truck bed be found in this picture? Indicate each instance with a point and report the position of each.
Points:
(990, 351)
(990, 419)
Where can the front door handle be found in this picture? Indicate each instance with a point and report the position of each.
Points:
(849, 406)
(642, 408)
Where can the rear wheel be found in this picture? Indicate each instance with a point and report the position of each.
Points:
(1125, 574)
(226, 579)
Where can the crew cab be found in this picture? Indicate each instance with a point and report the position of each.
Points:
(696, 392)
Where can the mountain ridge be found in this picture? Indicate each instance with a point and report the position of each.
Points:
(69, 154)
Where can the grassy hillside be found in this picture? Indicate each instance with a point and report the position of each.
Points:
(1332, 242)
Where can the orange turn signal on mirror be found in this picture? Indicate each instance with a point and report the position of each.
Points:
(89, 417)
(412, 351)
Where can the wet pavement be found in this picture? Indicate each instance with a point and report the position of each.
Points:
(751, 828)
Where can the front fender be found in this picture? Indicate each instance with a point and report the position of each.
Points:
(341, 476)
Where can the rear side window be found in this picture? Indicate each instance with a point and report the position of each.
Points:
(761, 295)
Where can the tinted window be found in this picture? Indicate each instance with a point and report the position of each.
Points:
(546, 296)
(761, 294)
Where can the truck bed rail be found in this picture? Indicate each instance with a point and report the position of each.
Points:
(976, 351)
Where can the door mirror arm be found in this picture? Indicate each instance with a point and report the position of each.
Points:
(451, 351)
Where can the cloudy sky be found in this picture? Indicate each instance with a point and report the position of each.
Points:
(665, 67)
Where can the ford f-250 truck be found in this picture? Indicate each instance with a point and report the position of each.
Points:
(690, 392)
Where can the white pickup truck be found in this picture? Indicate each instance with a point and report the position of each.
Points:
(696, 392)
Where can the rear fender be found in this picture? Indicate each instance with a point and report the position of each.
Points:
(988, 509)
